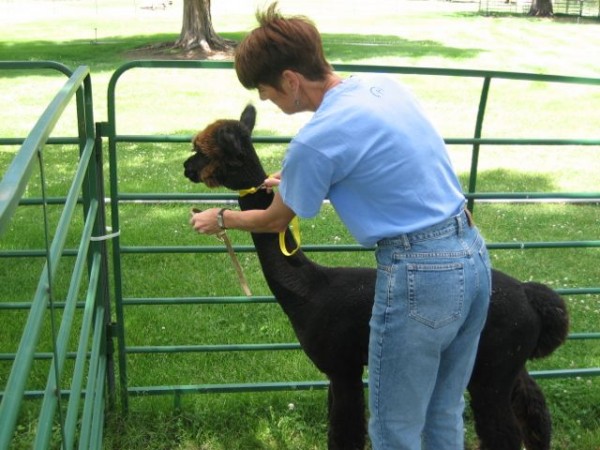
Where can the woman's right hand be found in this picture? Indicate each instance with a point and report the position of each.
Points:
(272, 181)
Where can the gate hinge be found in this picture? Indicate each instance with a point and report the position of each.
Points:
(102, 129)
(111, 329)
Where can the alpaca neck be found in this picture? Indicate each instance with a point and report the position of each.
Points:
(289, 277)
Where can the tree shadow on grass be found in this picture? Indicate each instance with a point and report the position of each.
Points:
(350, 47)
(338, 47)
(505, 180)
(111, 52)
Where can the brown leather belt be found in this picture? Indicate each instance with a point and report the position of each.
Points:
(470, 220)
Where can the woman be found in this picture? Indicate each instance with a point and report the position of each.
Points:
(371, 151)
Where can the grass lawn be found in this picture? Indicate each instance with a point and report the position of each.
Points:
(180, 101)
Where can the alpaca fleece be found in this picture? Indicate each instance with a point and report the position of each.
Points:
(329, 309)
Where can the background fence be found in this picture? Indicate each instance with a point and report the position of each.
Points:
(574, 8)
(118, 139)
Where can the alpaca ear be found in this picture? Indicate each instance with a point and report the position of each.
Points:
(248, 117)
(231, 142)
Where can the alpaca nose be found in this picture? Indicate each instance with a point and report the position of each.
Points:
(191, 174)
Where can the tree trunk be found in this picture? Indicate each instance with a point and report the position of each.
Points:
(541, 8)
(197, 30)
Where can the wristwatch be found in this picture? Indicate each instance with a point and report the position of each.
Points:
(220, 221)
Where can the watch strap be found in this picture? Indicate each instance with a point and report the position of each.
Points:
(220, 220)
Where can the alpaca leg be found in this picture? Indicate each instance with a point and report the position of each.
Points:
(495, 422)
(530, 408)
(347, 426)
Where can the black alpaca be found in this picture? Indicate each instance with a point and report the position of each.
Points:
(329, 309)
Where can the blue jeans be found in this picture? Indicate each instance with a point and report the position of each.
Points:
(431, 301)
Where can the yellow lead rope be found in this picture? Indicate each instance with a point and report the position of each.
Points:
(295, 229)
(294, 224)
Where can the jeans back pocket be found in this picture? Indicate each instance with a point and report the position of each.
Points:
(436, 292)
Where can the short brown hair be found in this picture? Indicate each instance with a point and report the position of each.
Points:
(278, 44)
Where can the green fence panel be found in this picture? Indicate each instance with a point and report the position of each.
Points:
(476, 141)
(85, 198)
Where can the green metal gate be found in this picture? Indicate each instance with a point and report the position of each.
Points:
(71, 309)
(123, 302)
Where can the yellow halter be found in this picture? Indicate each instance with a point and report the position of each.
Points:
(294, 224)
(252, 190)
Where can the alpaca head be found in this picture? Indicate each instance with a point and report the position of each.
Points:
(224, 154)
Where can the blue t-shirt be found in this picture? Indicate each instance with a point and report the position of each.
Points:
(371, 151)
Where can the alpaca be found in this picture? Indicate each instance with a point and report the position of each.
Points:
(329, 309)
